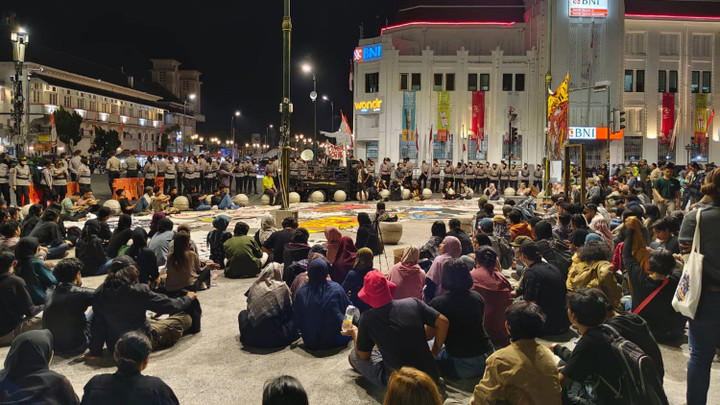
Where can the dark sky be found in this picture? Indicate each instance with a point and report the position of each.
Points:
(236, 45)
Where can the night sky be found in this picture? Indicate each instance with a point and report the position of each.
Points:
(237, 46)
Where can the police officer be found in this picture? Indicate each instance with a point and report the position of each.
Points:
(202, 169)
(75, 163)
(525, 174)
(84, 176)
(170, 175)
(192, 175)
(435, 177)
(459, 174)
(538, 177)
(180, 170)
(424, 174)
(370, 167)
(504, 177)
(514, 176)
(150, 172)
(113, 169)
(132, 165)
(493, 175)
(211, 174)
(480, 177)
(386, 168)
(5, 178)
(59, 182)
(238, 172)
(21, 182)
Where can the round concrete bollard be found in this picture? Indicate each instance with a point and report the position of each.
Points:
(181, 203)
(241, 200)
(317, 196)
(406, 194)
(114, 206)
(385, 194)
(509, 192)
(294, 197)
(26, 210)
(339, 196)
(265, 199)
(361, 195)
(391, 232)
(427, 194)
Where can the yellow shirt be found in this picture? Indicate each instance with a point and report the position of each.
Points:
(268, 183)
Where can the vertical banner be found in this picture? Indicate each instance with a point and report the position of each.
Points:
(408, 124)
(478, 116)
(558, 119)
(443, 116)
(668, 117)
(701, 118)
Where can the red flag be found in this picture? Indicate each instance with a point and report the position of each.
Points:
(704, 144)
(430, 134)
(122, 129)
(464, 147)
(417, 146)
(478, 115)
(668, 117)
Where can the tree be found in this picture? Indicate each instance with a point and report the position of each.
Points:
(68, 127)
(105, 142)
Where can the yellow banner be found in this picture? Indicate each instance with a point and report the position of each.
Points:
(443, 122)
(560, 96)
(701, 114)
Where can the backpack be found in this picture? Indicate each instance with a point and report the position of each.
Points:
(503, 250)
(561, 255)
(640, 382)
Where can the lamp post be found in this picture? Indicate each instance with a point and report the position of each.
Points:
(332, 112)
(267, 132)
(285, 107)
(232, 128)
(313, 96)
(20, 39)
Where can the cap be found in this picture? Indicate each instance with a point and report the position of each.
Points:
(377, 290)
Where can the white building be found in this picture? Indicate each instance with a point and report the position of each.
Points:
(501, 48)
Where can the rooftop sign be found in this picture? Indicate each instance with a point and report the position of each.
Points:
(367, 53)
(588, 8)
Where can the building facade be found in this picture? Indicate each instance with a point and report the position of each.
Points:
(505, 49)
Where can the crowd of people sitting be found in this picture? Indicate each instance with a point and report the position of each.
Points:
(467, 304)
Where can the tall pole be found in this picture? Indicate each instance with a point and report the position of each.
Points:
(548, 84)
(314, 110)
(332, 116)
(607, 153)
(285, 107)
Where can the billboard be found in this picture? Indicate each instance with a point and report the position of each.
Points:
(588, 8)
(593, 134)
(367, 53)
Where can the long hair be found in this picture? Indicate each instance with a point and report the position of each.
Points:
(181, 243)
(410, 386)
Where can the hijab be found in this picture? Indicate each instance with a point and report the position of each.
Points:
(364, 259)
(451, 250)
(267, 227)
(124, 222)
(407, 275)
(318, 271)
(600, 225)
(333, 236)
(344, 259)
(139, 238)
(91, 228)
(156, 220)
(410, 256)
(639, 247)
(25, 251)
(268, 296)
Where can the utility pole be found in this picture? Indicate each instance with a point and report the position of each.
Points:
(285, 108)
(548, 84)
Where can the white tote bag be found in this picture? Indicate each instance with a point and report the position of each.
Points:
(687, 294)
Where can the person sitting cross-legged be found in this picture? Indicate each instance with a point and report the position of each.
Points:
(36, 274)
(17, 311)
(244, 256)
(217, 237)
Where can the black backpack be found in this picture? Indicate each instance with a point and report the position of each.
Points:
(503, 250)
(640, 382)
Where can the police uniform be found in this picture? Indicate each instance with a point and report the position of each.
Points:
(59, 182)
(84, 178)
(21, 182)
(449, 171)
(5, 181)
(75, 164)
(514, 176)
(538, 177)
(525, 175)
(386, 168)
(435, 178)
(504, 178)
(493, 175)
(170, 175)
(459, 175)
(113, 169)
(180, 170)
(238, 172)
(149, 172)
(132, 166)
(211, 175)
(424, 174)
(480, 177)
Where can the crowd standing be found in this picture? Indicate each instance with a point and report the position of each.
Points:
(604, 271)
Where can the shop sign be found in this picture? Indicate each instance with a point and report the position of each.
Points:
(367, 53)
(588, 8)
(593, 134)
(368, 107)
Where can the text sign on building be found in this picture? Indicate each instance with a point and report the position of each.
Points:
(593, 134)
(367, 53)
(588, 8)
(368, 107)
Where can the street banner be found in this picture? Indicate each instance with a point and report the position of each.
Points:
(558, 119)
(668, 117)
(478, 116)
(710, 119)
(53, 129)
(408, 123)
(443, 116)
(701, 118)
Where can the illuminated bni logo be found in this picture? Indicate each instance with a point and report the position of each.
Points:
(366, 107)
(588, 8)
(582, 133)
(367, 53)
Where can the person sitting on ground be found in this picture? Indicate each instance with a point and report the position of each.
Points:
(662, 229)
(448, 192)
(120, 236)
(120, 306)
(183, 267)
(457, 231)
(90, 250)
(578, 221)
(300, 269)
(543, 284)
(128, 385)
(407, 275)
(495, 290)
(591, 269)
(160, 242)
(500, 244)
(9, 235)
(38, 277)
(524, 372)
(577, 239)
(160, 201)
(600, 225)
(662, 275)
(467, 345)
(518, 226)
(487, 210)
(269, 188)
(144, 203)
(71, 210)
(144, 257)
(217, 237)
(344, 260)
(450, 248)
(430, 250)
(244, 256)
(552, 249)
(367, 234)
(381, 215)
(562, 227)
(397, 347)
(319, 309)
(64, 313)
(103, 214)
(126, 207)
(27, 378)
(32, 219)
(155, 222)
(332, 237)
(18, 313)
(284, 390)
(47, 232)
(297, 249)
(410, 386)
(268, 320)
(354, 280)
(267, 228)
(225, 200)
(198, 201)
(275, 244)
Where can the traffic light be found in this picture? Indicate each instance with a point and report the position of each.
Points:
(513, 135)
(618, 120)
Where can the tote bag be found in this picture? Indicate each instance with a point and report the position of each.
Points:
(687, 294)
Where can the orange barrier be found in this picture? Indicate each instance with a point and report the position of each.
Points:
(36, 194)
(129, 184)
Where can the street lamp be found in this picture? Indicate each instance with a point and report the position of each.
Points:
(20, 39)
(267, 132)
(332, 112)
(313, 96)
(232, 126)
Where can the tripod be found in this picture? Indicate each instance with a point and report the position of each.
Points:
(381, 241)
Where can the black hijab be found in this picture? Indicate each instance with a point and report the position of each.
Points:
(139, 238)
(24, 253)
(27, 378)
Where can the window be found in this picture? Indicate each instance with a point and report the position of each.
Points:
(695, 86)
(628, 80)
(673, 82)
(372, 82)
(633, 148)
(438, 82)
(472, 81)
(403, 81)
(67, 101)
(443, 150)
(507, 82)
(484, 82)
(53, 98)
(161, 76)
(93, 106)
(371, 150)
(450, 81)
(35, 96)
(520, 82)
(706, 82)
(662, 81)
(407, 149)
(113, 108)
(80, 103)
(186, 85)
(512, 150)
(640, 81)
(122, 111)
(415, 82)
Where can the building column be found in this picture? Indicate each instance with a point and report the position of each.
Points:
(652, 126)
(459, 99)
(496, 113)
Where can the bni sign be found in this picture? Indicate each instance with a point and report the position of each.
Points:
(367, 53)
(587, 8)
(582, 133)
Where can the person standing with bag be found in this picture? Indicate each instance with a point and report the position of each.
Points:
(704, 330)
